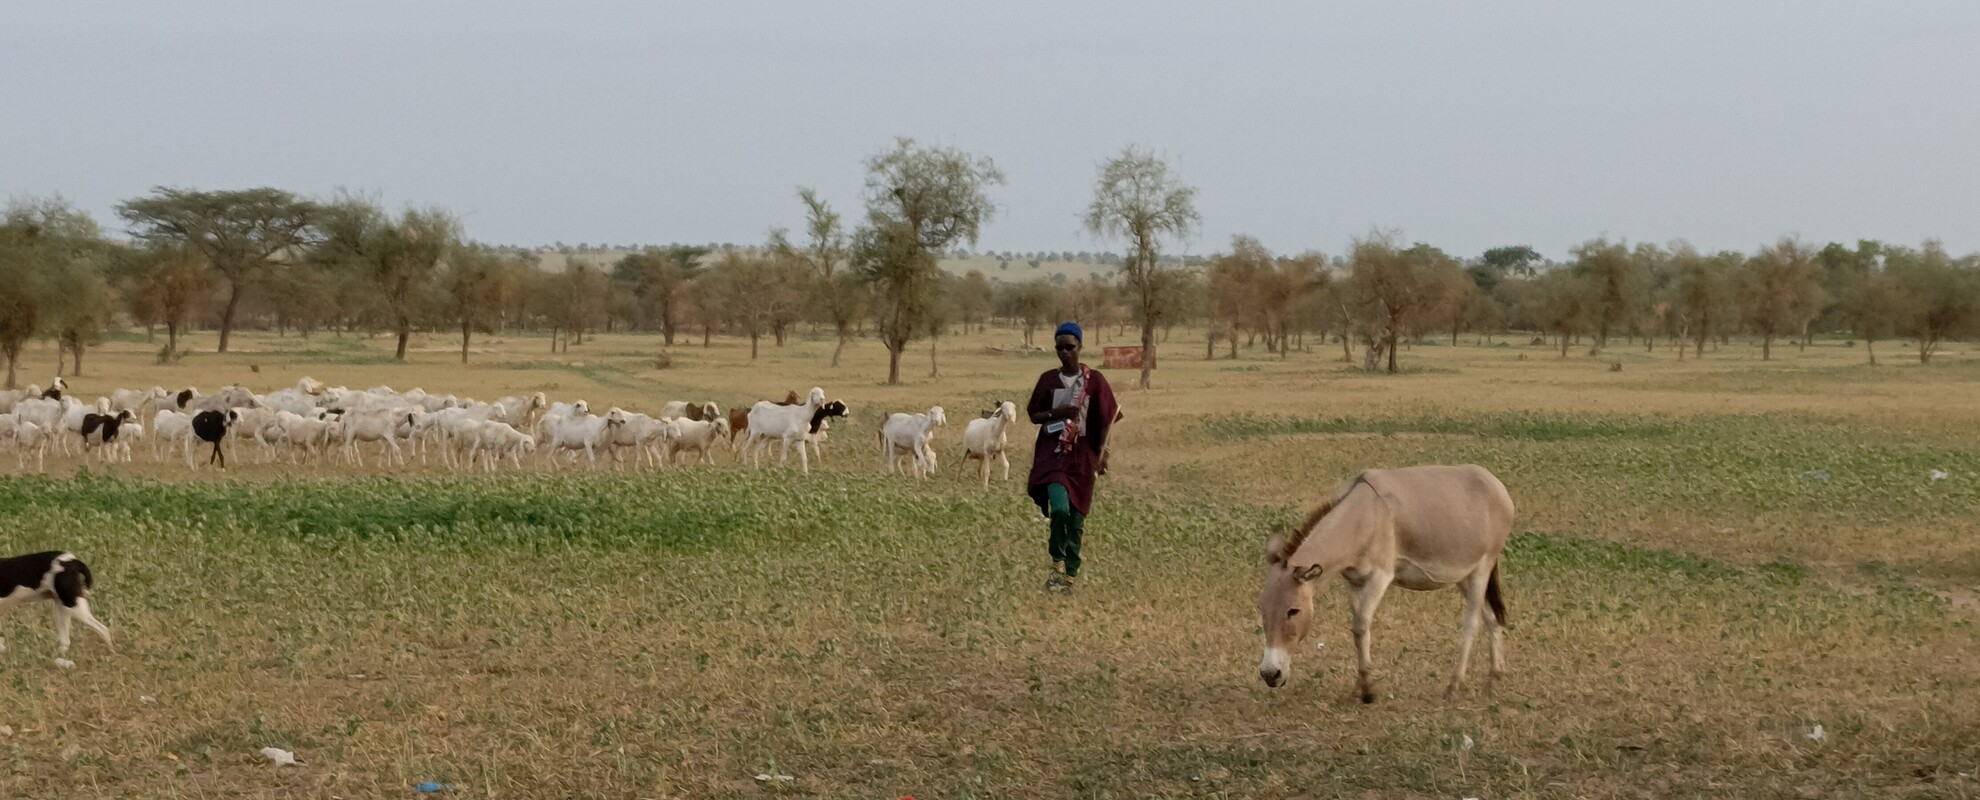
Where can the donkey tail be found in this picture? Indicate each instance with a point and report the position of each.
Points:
(1492, 596)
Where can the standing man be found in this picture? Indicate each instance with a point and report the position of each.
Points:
(1074, 407)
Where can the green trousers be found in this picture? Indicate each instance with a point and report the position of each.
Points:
(1067, 526)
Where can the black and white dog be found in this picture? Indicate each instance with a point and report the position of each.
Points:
(56, 576)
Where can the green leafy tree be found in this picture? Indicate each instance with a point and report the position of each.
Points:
(241, 233)
(1137, 198)
(1777, 290)
(401, 257)
(1938, 296)
(920, 201)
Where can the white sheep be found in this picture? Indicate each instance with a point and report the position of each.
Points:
(787, 424)
(911, 434)
(495, 439)
(170, 428)
(700, 436)
(988, 437)
(587, 433)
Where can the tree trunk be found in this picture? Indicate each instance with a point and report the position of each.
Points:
(11, 357)
(1147, 352)
(467, 330)
(894, 363)
(227, 316)
(934, 367)
(1564, 344)
(1767, 346)
(75, 366)
(754, 337)
(1209, 346)
(707, 331)
(405, 334)
(172, 338)
(553, 340)
(1925, 347)
(839, 348)
(1869, 346)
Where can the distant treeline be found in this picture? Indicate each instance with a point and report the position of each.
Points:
(267, 259)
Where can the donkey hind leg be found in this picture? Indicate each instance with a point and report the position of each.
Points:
(1473, 587)
(1362, 602)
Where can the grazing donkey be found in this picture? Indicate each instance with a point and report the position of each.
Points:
(1422, 528)
(56, 576)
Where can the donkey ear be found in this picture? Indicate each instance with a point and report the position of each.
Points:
(1274, 549)
(1308, 572)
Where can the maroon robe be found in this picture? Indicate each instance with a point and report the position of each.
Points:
(1074, 470)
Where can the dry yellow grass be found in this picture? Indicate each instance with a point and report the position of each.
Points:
(1713, 557)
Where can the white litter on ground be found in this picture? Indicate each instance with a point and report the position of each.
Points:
(278, 756)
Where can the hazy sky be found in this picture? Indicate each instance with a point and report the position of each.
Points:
(1465, 125)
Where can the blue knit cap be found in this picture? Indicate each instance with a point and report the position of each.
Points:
(1069, 329)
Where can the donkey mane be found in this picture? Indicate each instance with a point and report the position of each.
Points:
(1281, 548)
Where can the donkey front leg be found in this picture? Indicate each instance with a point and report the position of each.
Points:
(1362, 601)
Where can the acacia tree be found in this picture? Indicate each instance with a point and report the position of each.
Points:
(839, 293)
(21, 286)
(974, 299)
(1777, 287)
(1938, 297)
(1869, 308)
(241, 233)
(79, 308)
(920, 201)
(401, 257)
(475, 281)
(1614, 280)
(1390, 285)
(1136, 198)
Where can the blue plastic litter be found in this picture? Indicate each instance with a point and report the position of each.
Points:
(430, 787)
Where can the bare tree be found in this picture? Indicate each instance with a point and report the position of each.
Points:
(1136, 198)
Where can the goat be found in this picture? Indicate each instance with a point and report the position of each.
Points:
(56, 576)
(100, 430)
(56, 389)
(29, 439)
(169, 428)
(139, 401)
(521, 412)
(987, 437)
(497, 439)
(739, 419)
(699, 435)
(910, 433)
(381, 426)
(305, 434)
(235, 396)
(644, 434)
(682, 409)
(768, 420)
(587, 433)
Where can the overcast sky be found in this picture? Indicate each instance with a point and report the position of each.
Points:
(1466, 125)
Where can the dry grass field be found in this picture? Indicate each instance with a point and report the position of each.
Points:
(1712, 558)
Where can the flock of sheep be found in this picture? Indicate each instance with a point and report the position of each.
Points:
(314, 423)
